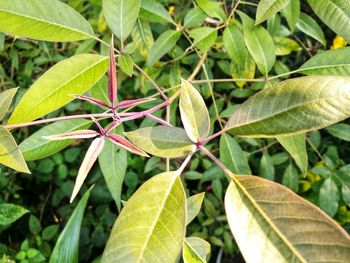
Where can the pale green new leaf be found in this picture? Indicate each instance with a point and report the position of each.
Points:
(67, 245)
(296, 147)
(142, 37)
(329, 197)
(151, 226)
(267, 8)
(340, 130)
(232, 155)
(195, 250)
(113, 161)
(52, 90)
(10, 155)
(194, 113)
(310, 27)
(292, 13)
(203, 38)
(36, 147)
(293, 106)
(284, 46)
(162, 141)
(121, 16)
(49, 20)
(330, 62)
(153, 11)
(259, 43)
(164, 43)
(6, 98)
(194, 204)
(10, 213)
(279, 226)
(212, 9)
(335, 14)
(126, 64)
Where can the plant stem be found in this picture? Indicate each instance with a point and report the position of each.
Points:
(208, 139)
(186, 161)
(167, 118)
(198, 67)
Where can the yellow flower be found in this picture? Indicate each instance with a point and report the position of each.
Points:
(171, 10)
(339, 42)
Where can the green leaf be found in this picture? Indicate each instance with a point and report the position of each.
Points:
(266, 168)
(126, 64)
(10, 213)
(121, 16)
(292, 13)
(259, 43)
(194, 17)
(310, 27)
(194, 204)
(195, 250)
(284, 46)
(267, 8)
(52, 90)
(232, 155)
(212, 9)
(194, 112)
(280, 226)
(293, 106)
(49, 20)
(10, 155)
(153, 11)
(296, 147)
(330, 62)
(113, 162)
(34, 225)
(151, 226)
(335, 14)
(6, 98)
(291, 178)
(329, 197)
(67, 245)
(142, 37)
(340, 130)
(203, 38)
(164, 43)
(36, 147)
(162, 141)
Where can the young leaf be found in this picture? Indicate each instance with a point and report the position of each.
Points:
(79, 134)
(329, 197)
(151, 227)
(6, 98)
(296, 147)
(125, 144)
(340, 130)
(112, 76)
(121, 16)
(335, 14)
(85, 167)
(10, 213)
(259, 43)
(267, 8)
(164, 43)
(232, 155)
(35, 147)
(162, 141)
(142, 37)
(113, 163)
(291, 177)
(293, 106)
(51, 91)
(194, 204)
(292, 13)
(194, 112)
(126, 64)
(310, 27)
(330, 62)
(195, 250)
(284, 46)
(43, 20)
(10, 155)
(212, 9)
(203, 38)
(67, 245)
(153, 11)
(92, 100)
(280, 226)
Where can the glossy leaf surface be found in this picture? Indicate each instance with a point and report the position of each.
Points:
(51, 91)
(280, 226)
(151, 226)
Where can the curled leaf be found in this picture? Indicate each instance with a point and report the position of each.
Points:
(80, 134)
(129, 103)
(125, 144)
(112, 75)
(91, 100)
